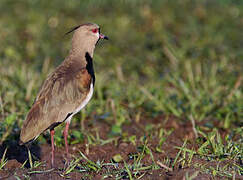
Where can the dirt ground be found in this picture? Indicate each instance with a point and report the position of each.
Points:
(16, 154)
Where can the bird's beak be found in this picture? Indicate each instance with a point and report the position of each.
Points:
(102, 36)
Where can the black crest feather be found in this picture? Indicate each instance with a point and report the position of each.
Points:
(76, 27)
(73, 29)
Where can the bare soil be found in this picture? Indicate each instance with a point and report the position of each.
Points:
(17, 155)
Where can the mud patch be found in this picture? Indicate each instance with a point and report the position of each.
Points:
(159, 153)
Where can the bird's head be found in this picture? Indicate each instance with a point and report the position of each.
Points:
(85, 37)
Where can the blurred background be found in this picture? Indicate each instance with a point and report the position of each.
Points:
(175, 58)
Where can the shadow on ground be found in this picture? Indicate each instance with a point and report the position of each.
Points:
(20, 153)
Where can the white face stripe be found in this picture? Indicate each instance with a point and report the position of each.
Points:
(97, 34)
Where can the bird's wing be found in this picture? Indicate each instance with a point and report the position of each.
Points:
(61, 93)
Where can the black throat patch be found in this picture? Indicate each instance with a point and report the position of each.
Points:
(89, 66)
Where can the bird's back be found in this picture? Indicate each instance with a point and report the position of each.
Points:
(60, 95)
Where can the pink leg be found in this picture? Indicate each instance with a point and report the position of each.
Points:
(52, 147)
(65, 133)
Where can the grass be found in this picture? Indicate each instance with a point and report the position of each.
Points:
(3, 160)
(177, 59)
(213, 150)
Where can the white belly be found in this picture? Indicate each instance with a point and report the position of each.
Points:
(83, 104)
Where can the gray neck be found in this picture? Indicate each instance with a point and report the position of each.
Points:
(80, 45)
(80, 50)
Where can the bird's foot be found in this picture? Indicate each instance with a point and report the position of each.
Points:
(67, 158)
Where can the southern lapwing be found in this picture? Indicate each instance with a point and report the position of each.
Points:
(66, 90)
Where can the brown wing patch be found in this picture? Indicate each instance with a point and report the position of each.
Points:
(83, 80)
(35, 110)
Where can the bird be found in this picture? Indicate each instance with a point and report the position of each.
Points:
(66, 90)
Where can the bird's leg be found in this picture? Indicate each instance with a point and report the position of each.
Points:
(52, 147)
(65, 133)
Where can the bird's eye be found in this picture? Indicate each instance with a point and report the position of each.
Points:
(95, 30)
